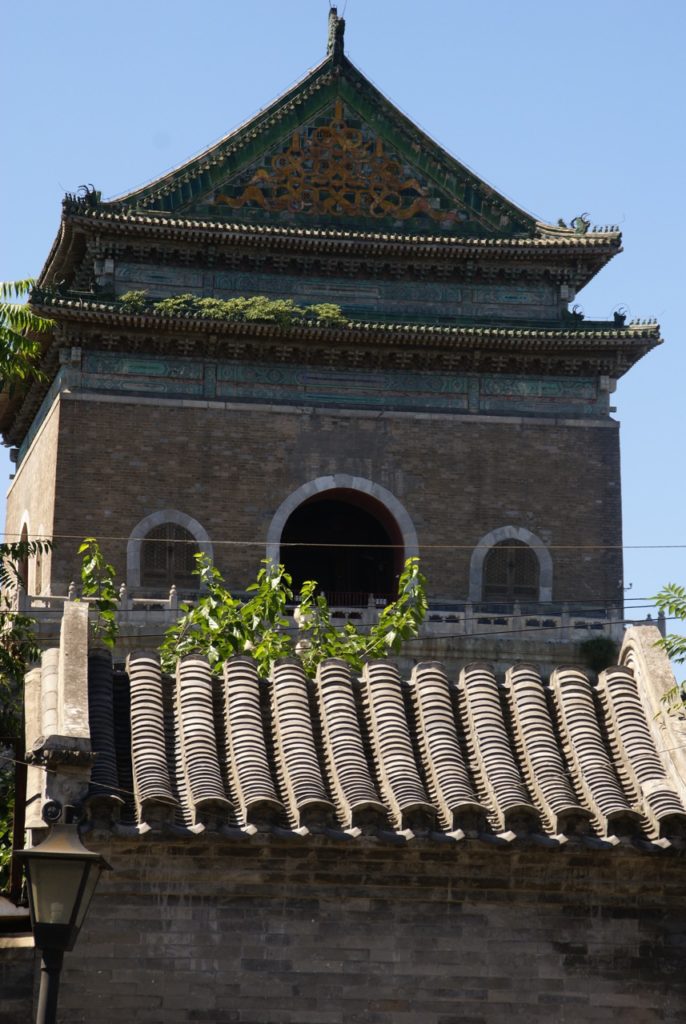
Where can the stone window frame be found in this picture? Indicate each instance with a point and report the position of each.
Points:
(336, 482)
(520, 533)
(143, 528)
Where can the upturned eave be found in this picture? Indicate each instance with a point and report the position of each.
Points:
(81, 222)
(585, 348)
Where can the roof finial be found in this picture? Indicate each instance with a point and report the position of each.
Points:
(336, 32)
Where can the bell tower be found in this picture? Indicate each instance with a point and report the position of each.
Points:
(325, 340)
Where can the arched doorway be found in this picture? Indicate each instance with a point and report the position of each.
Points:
(348, 542)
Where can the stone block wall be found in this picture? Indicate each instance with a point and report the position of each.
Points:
(323, 932)
(17, 969)
(231, 466)
(31, 496)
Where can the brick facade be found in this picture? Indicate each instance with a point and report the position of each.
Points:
(231, 467)
(32, 493)
(321, 934)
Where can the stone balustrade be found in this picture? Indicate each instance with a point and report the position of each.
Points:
(537, 622)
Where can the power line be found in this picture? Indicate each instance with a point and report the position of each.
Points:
(53, 771)
(575, 606)
(355, 546)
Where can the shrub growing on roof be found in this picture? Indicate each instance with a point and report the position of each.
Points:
(257, 308)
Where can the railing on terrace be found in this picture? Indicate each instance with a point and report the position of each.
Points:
(554, 622)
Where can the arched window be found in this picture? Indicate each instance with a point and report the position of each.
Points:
(511, 564)
(38, 574)
(511, 573)
(160, 551)
(167, 558)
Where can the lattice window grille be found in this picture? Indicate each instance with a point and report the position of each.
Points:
(167, 557)
(511, 572)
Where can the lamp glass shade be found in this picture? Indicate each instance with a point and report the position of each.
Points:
(94, 872)
(62, 875)
(55, 887)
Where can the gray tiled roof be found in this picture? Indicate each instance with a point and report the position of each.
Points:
(348, 757)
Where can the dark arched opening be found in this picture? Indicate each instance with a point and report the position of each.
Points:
(348, 542)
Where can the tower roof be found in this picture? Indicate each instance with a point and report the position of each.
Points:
(333, 152)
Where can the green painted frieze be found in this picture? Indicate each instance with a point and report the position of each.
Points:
(106, 363)
(277, 383)
(405, 300)
(304, 385)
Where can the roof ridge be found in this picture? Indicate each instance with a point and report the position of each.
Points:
(484, 203)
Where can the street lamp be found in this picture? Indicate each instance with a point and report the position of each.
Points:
(62, 875)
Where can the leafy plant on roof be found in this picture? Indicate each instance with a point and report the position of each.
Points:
(256, 309)
(135, 301)
(98, 583)
(328, 313)
(398, 621)
(219, 625)
(672, 601)
(19, 325)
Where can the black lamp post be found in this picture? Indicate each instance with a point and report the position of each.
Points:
(62, 875)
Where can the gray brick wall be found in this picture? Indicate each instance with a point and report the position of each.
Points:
(17, 968)
(231, 468)
(31, 496)
(323, 933)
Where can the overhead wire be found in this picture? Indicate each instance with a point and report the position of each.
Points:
(342, 544)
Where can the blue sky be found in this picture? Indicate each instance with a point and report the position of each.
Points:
(564, 108)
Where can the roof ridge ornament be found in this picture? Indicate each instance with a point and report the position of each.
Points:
(334, 45)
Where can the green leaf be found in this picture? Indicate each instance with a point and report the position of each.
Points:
(671, 601)
(98, 581)
(19, 348)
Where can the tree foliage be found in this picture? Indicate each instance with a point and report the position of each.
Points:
(258, 308)
(98, 582)
(398, 621)
(671, 601)
(18, 649)
(19, 352)
(219, 625)
(19, 325)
